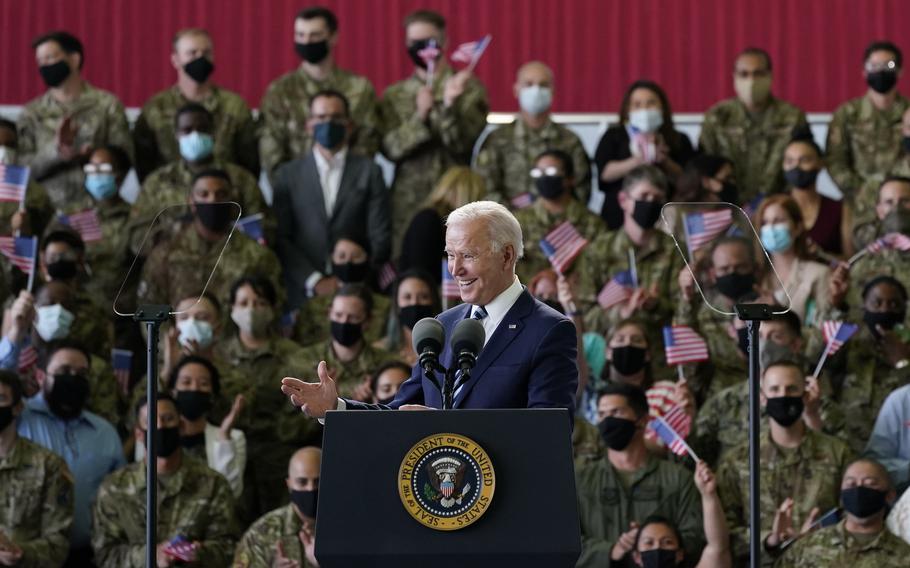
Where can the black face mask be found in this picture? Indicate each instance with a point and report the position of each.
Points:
(863, 502)
(6, 417)
(55, 74)
(881, 81)
(408, 316)
(347, 334)
(628, 359)
(729, 193)
(216, 217)
(306, 502)
(785, 410)
(199, 69)
(885, 320)
(550, 187)
(414, 50)
(62, 269)
(192, 405)
(905, 142)
(69, 395)
(646, 213)
(658, 558)
(351, 271)
(329, 134)
(800, 178)
(312, 52)
(167, 440)
(735, 285)
(616, 432)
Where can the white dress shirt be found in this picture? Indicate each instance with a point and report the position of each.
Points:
(330, 172)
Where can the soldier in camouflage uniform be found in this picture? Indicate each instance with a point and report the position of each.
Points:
(193, 502)
(234, 128)
(657, 264)
(168, 184)
(286, 534)
(428, 128)
(864, 136)
(38, 210)
(181, 266)
(857, 542)
(797, 464)
(57, 129)
(753, 129)
(555, 174)
(286, 103)
(509, 152)
(587, 443)
(36, 492)
(350, 358)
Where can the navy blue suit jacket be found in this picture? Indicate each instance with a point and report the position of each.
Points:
(529, 362)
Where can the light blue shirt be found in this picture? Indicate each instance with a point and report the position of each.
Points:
(9, 354)
(91, 448)
(890, 440)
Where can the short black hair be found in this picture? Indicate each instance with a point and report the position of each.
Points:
(189, 359)
(66, 236)
(193, 108)
(121, 158)
(756, 51)
(882, 45)
(11, 381)
(357, 290)
(802, 134)
(374, 379)
(313, 12)
(259, 283)
(635, 396)
(427, 17)
(789, 317)
(140, 404)
(659, 520)
(567, 166)
(787, 361)
(423, 276)
(332, 93)
(733, 240)
(211, 172)
(885, 279)
(52, 347)
(68, 43)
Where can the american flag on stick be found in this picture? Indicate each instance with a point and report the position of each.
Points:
(672, 436)
(617, 290)
(682, 345)
(470, 52)
(20, 251)
(702, 228)
(836, 333)
(85, 223)
(13, 183)
(562, 246)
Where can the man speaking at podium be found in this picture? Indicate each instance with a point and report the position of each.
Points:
(528, 357)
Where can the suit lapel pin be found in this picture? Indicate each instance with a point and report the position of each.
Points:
(513, 325)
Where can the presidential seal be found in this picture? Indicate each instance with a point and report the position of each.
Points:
(446, 482)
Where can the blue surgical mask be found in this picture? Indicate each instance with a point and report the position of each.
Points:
(329, 134)
(192, 329)
(101, 186)
(196, 146)
(776, 237)
(535, 99)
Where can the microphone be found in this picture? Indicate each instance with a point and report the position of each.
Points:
(467, 341)
(428, 337)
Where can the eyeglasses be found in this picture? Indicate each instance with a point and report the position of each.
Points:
(872, 67)
(548, 171)
(98, 168)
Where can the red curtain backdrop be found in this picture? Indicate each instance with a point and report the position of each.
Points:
(596, 47)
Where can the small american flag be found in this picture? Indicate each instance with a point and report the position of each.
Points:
(28, 356)
(471, 51)
(251, 226)
(837, 333)
(429, 54)
(387, 275)
(562, 246)
(122, 362)
(616, 291)
(701, 228)
(449, 285)
(669, 435)
(13, 183)
(522, 201)
(20, 251)
(683, 345)
(85, 223)
(181, 549)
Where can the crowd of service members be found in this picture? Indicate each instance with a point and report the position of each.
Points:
(339, 268)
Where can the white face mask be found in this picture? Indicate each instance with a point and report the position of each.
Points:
(253, 321)
(192, 329)
(54, 322)
(7, 155)
(646, 119)
(535, 99)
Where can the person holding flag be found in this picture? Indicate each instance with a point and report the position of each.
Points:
(18, 323)
(503, 159)
(28, 215)
(800, 468)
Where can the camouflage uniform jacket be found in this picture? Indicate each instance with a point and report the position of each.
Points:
(863, 145)
(155, 132)
(835, 547)
(536, 222)
(259, 546)
(810, 475)
(888, 262)
(587, 443)
(313, 325)
(507, 156)
(606, 506)
(755, 143)
(350, 374)
(285, 108)
(99, 119)
(423, 150)
(194, 502)
(36, 504)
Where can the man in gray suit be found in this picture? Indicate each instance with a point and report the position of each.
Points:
(324, 194)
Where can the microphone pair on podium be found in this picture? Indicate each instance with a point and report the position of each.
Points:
(466, 342)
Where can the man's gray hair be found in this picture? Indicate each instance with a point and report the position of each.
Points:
(502, 226)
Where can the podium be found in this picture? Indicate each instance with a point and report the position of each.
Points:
(496, 486)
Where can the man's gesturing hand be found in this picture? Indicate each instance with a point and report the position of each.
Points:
(315, 399)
